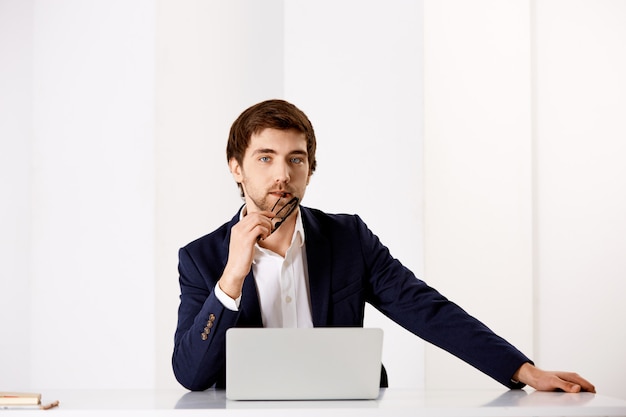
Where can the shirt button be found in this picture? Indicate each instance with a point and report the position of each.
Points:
(288, 299)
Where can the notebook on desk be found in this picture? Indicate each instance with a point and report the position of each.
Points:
(303, 364)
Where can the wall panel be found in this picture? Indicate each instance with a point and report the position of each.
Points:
(478, 171)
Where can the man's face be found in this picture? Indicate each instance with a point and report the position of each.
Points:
(275, 166)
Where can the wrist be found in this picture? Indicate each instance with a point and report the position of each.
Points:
(523, 374)
(230, 303)
(231, 285)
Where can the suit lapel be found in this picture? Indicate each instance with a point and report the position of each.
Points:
(318, 253)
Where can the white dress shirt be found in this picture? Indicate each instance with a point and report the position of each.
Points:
(282, 284)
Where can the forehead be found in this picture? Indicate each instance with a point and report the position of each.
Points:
(278, 140)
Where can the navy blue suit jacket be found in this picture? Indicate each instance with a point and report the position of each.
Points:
(348, 267)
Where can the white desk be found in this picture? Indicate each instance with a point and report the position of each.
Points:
(391, 402)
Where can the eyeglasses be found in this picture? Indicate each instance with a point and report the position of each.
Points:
(288, 208)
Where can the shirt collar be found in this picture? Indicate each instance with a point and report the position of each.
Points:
(299, 230)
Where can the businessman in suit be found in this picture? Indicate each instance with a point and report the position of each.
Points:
(277, 263)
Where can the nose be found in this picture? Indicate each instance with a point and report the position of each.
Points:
(282, 173)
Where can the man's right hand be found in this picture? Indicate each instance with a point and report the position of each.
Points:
(243, 236)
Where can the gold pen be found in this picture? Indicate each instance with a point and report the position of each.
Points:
(50, 405)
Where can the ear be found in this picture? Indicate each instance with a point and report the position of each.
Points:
(235, 170)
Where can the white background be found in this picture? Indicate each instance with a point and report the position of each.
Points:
(483, 141)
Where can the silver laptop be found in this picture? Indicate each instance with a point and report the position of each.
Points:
(303, 364)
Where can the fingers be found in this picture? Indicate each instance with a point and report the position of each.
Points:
(264, 226)
(254, 226)
(568, 386)
(586, 386)
(243, 237)
(563, 381)
(550, 380)
(575, 383)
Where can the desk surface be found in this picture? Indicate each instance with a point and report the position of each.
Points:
(391, 402)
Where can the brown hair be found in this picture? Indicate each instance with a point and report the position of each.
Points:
(275, 114)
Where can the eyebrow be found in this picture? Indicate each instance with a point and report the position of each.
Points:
(273, 152)
(263, 150)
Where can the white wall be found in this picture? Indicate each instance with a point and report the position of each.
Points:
(580, 149)
(524, 178)
(16, 125)
(477, 150)
(114, 117)
(81, 273)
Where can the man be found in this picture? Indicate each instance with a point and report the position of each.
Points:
(279, 264)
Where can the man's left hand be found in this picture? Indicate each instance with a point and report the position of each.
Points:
(552, 380)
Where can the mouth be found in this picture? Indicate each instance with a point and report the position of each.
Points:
(281, 194)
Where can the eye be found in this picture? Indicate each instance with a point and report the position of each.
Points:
(264, 159)
(297, 160)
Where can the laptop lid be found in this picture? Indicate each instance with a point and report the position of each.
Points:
(303, 364)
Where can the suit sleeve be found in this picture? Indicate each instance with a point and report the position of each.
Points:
(199, 342)
(410, 302)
